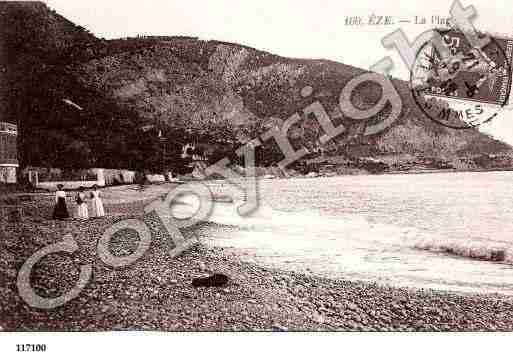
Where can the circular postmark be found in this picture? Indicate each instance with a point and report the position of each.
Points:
(461, 86)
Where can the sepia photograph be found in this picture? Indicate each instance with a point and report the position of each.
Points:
(255, 171)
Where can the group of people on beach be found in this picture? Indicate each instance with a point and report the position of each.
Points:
(61, 212)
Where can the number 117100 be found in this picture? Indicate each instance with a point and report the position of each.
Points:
(31, 347)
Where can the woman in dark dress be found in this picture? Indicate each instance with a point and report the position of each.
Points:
(61, 209)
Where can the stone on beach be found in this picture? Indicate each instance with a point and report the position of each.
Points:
(215, 280)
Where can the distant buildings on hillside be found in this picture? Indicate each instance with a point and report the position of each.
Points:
(8, 152)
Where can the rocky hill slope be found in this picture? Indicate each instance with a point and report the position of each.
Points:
(213, 93)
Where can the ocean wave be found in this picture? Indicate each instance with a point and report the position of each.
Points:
(480, 250)
(347, 233)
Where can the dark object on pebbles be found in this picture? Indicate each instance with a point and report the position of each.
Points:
(215, 280)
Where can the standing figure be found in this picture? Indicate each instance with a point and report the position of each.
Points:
(97, 203)
(61, 209)
(82, 211)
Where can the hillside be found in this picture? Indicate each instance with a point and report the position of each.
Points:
(213, 93)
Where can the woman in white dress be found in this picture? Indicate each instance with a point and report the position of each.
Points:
(82, 211)
(97, 204)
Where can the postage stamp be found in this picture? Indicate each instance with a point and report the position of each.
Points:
(466, 87)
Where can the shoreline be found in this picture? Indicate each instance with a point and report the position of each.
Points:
(156, 293)
(413, 172)
(499, 169)
(47, 193)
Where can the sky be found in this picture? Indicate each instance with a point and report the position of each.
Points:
(301, 29)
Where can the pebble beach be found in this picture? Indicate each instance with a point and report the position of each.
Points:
(155, 293)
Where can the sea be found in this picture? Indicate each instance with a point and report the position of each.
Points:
(444, 231)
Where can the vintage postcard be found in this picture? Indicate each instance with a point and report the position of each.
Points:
(275, 166)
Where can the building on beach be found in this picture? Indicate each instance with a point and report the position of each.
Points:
(8, 152)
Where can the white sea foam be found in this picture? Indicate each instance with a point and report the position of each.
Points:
(482, 250)
(349, 245)
(312, 225)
